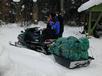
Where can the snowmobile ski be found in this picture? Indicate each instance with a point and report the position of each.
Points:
(16, 44)
(36, 48)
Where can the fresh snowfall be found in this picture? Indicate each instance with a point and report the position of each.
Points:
(16, 61)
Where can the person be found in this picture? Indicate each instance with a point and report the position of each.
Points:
(60, 18)
(52, 30)
(51, 15)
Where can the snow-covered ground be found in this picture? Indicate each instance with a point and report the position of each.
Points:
(24, 62)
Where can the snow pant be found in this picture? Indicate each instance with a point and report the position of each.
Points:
(49, 34)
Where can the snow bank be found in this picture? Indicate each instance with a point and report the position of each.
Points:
(5, 63)
(24, 62)
(89, 4)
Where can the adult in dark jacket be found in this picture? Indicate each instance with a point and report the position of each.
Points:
(60, 19)
(53, 29)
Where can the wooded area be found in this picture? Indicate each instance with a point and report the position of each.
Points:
(27, 10)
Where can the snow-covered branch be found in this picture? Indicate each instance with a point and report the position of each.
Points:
(89, 4)
(16, 0)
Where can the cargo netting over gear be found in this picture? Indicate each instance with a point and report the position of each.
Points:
(71, 48)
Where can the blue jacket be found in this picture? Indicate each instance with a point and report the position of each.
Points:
(56, 27)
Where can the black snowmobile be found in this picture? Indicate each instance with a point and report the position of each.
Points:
(32, 38)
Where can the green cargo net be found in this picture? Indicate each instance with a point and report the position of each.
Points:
(71, 48)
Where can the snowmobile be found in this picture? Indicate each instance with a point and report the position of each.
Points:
(32, 38)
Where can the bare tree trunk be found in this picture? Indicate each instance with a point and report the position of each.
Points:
(35, 14)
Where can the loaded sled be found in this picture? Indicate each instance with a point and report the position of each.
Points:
(71, 52)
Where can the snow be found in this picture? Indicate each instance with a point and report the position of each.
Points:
(34, 0)
(89, 4)
(24, 62)
(16, 0)
(19, 0)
